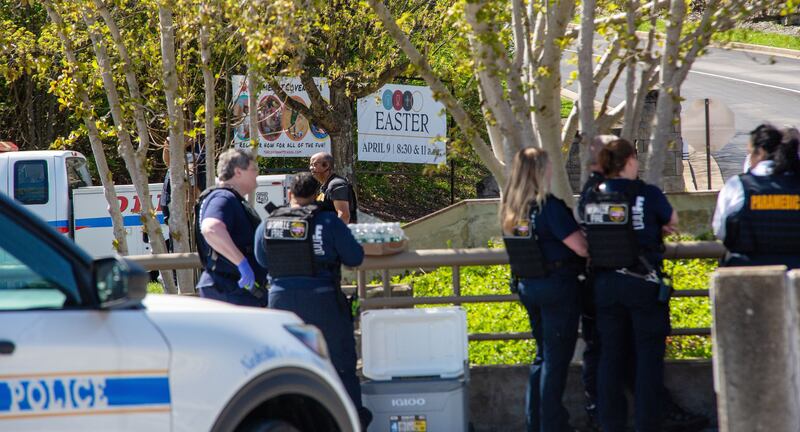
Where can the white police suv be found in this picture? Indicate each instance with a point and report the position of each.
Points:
(82, 349)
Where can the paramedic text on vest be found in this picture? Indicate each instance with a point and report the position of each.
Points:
(226, 225)
(544, 246)
(336, 193)
(625, 220)
(304, 247)
(758, 212)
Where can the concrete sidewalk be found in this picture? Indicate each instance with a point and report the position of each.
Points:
(695, 171)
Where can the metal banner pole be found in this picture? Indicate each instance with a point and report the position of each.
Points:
(708, 147)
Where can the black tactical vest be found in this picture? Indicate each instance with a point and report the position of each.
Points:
(209, 258)
(609, 227)
(769, 221)
(524, 253)
(288, 239)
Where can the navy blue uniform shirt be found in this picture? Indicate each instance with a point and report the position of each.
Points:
(223, 205)
(338, 246)
(554, 223)
(650, 211)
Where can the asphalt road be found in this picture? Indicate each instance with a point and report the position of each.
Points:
(756, 87)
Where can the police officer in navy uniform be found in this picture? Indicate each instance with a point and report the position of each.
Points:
(591, 352)
(335, 193)
(545, 246)
(625, 220)
(675, 418)
(758, 213)
(303, 247)
(225, 225)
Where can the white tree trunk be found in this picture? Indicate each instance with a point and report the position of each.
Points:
(665, 106)
(178, 224)
(109, 191)
(440, 92)
(548, 96)
(136, 167)
(586, 82)
(630, 77)
(208, 87)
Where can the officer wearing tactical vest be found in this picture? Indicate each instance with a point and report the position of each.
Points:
(675, 416)
(336, 193)
(224, 226)
(624, 221)
(591, 352)
(758, 213)
(544, 246)
(304, 247)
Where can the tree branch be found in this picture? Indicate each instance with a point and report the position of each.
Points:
(440, 91)
(387, 75)
(622, 16)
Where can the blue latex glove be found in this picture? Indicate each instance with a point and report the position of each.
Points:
(248, 279)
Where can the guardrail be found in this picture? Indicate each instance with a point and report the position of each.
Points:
(455, 259)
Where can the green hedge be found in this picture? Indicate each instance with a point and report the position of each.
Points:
(512, 317)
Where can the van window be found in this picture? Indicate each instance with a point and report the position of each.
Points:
(77, 173)
(30, 182)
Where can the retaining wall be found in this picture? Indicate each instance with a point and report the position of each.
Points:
(472, 223)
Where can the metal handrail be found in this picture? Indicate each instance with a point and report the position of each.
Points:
(454, 258)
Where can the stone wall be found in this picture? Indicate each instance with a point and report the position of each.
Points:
(673, 163)
(472, 223)
(497, 394)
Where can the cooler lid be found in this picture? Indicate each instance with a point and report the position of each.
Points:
(414, 342)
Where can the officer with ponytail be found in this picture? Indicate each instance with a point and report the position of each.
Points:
(758, 212)
(545, 246)
(625, 220)
(303, 247)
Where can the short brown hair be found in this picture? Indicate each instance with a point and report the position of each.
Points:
(614, 155)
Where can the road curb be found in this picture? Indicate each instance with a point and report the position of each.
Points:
(741, 46)
(763, 49)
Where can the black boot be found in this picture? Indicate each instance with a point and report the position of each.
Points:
(677, 419)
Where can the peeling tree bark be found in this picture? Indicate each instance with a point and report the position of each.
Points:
(87, 115)
(548, 95)
(178, 224)
(441, 92)
(588, 89)
(208, 87)
(134, 162)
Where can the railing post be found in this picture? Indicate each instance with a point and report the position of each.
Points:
(361, 281)
(456, 280)
(755, 356)
(387, 285)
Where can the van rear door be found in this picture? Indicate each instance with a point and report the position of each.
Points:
(32, 184)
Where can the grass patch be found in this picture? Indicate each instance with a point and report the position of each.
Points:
(155, 288)
(742, 35)
(511, 317)
(566, 107)
(755, 37)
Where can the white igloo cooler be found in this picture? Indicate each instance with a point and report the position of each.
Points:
(416, 365)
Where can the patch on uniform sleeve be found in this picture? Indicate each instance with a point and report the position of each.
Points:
(286, 229)
(775, 202)
(606, 213)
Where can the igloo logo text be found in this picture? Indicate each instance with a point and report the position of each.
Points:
(408, 402)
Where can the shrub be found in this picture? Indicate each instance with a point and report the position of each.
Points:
(512, 317)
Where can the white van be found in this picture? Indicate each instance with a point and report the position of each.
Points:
(56, 186)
